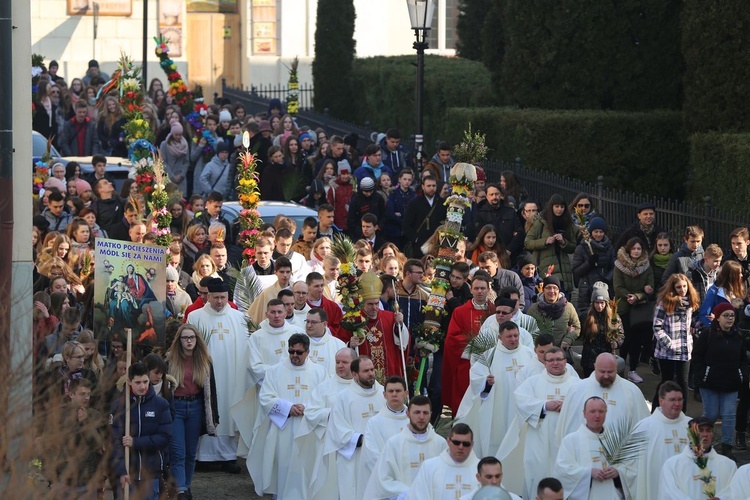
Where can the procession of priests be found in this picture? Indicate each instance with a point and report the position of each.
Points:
(319, 413)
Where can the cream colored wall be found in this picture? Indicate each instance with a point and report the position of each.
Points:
(69, 39)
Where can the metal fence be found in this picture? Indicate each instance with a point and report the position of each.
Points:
(618, 207)
(256, 100)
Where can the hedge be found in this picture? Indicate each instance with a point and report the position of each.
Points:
(590, 54)
(720, 163)
(635, 151)
(334, 56)
(386, 92)
(716, 49)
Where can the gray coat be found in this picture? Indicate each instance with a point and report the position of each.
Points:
(69, 141)
(176, 166)
(215, 177)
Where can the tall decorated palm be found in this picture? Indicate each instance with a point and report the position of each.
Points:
(292, 97)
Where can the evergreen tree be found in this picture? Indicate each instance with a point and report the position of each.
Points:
(493, 44)
(471, 19)
(334, 56)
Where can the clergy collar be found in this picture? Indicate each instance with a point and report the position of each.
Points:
(477, 306)
(316, 303)
(342, 380)
(502, 348)
(593, 431)
(402, 411)
(556, 379)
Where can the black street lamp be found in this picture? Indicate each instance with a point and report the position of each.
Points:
(420, 15)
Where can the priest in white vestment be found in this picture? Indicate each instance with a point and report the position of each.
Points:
(404, 453)
(581, 463)
(323, 345)
(740, 487)
(624, 399)
(278, 463)
(225, 333)
(346, 426)
(680, 476)
(282, 268)
(491, 326)
(542, 343)
(490, 473)
(451, 474)
(324, 484)
(539, 401)
(388, 422)
(301, 307)
(488, 405)
(666, 430)
(268, 346)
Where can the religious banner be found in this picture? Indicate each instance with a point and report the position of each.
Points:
(130, 291)
(104, 7)
(170, 25)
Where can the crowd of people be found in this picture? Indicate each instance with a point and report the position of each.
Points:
(300, 397)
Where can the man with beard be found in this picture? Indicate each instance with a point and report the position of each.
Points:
(493, 210)
(324, 485)
(346, 426)
(488, 405)
(278, 463)
(624, 400)
(666, 430)
(405, 452)
(681, 477)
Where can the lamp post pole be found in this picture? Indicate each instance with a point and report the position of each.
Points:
(420, 16)
(420, 44)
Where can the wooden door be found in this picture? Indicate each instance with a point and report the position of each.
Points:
(213, 51)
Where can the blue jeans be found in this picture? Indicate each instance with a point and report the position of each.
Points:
(186, 429)
(717, 403)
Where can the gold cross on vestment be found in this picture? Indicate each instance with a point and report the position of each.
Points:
(297, 387)
(605, 397)
(420, 459)
(370, 413)
(315, 358)
(677, 440)
(220, 331)
(459, 487)
(279, 351)
(515, 368)
(556, 396)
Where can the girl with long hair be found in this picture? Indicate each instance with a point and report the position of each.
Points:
(516, 194)
(195, 403)
(728, 287)
(94, 361)
(602, 329)
(108, 134)
(675, 304)
(195, 241)
(204, 267)
(487, 241)
(552, 238)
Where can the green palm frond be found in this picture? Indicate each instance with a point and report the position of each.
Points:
(479, 347)
(343, 249)
(254, 289)
(620, 444)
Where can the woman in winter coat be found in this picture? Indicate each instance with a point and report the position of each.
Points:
(593, 261)
(551, 238)
(634, 284)
(720, 368)
(215, 175)
(601, 330)
(195, 403)
(175, 152)
(728, 287)
(672, 323)
(554, 314)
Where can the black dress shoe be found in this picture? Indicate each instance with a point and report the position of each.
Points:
(231, 467)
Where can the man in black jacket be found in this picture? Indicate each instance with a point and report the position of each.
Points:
(108, 207)
(493, 210)
(423, 216)
(645, 229)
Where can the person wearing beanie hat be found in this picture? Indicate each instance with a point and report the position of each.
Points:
(83, 188)
(554, 314)
(339, 195)
(644, 228)
(94, 71)
(215, 175)
(720, 368)
(225, 116)
(361, 203)
(344, 166)
(530, 279)
(596, 330)
(54, 182)
(593, 261)
(175, 153)
(178, 300)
